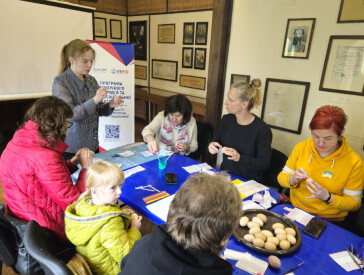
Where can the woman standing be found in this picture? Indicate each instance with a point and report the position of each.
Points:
(325, 176)
(244, 139)
(173, 129)
(36, 180)
(81, 91)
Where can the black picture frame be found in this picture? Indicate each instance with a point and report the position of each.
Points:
(138, 36)
(284, 104)
(200, 59)
(187, 57)
(298, 38)
(201, 33)
(349, 11)
(165, 69)
(113, 33)
(188, 33)
(342, 71)
(100, 29)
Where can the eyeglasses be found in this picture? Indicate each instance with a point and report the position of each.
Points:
(70, 123)
(355, 257)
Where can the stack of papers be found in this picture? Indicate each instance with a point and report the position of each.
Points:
(161, 207)
(246, 261)
(345, 261)
(248, 188)
(126, 154)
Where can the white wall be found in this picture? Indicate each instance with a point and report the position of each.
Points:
(256, 43)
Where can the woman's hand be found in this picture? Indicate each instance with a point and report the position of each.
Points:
(214, 147)
(115, 102)
(152, 144)
(86, 157)
(297, 176)
(182, 147)
(232, 153)
(316, 190)
(136, 221)
(101, 93)
(76, 158)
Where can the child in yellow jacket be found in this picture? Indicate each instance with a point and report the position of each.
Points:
(97, 226)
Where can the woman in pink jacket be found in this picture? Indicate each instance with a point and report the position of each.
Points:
(37, 182)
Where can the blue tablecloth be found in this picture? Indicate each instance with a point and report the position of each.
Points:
(313, 252)
(155, 177)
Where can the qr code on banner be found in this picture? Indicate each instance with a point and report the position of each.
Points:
(112, 131)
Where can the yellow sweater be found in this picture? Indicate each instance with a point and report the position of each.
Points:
(341, 173)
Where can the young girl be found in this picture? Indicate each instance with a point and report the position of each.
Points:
(97, 226)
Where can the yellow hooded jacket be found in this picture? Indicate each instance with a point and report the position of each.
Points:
(100, 234)
(341, 173)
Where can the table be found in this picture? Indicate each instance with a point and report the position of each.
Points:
(155, 177)
(124, 162)
(159, 97)
(313, 252)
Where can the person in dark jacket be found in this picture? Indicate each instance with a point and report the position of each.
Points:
(201, 218)
(244, 139)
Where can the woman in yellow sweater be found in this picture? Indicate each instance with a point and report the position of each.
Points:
(324, 174)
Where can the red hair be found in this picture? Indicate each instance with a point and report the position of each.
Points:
(327, 117)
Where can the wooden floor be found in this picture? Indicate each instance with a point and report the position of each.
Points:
(139, 125)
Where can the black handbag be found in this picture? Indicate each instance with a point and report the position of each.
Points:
(15, 229)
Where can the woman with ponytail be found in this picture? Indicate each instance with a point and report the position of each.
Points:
(244, 139)
(81, 91)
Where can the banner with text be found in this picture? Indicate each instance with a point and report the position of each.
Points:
(114, 69)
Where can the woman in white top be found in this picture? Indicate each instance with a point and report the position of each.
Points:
(173, 129)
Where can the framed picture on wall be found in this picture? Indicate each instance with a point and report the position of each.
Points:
(115, 29)
(239, 78)
(201, 33)
(343, 69)
(200, 58)
(138, 36)
(100, 27)
(298, 38)
(188, 33)
(193, 82)
(284, 104)
(141, 72)
(351, 11)
(187, 57)
(164, 69)
(166, 33)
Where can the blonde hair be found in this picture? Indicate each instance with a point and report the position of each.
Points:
(74, 49)
(204, 212)
(250, 92)
(101, 174)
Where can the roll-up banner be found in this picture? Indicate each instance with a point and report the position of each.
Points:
(114, 69)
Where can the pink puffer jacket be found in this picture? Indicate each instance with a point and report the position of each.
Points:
(37, 182)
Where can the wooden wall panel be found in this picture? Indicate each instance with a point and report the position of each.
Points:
(110, 6)
(189, 5)
(137, 7)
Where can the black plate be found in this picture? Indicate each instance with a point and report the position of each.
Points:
(272, 218)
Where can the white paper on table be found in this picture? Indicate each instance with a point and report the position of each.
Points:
(233, 254)
(126, 154)
(266, 200)
(298, 215)
(160, 208)
(146, 153)
(251, 205)
(133, 170)
(250, 187)
(197, 168)
(252, 264)
(345, 261)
